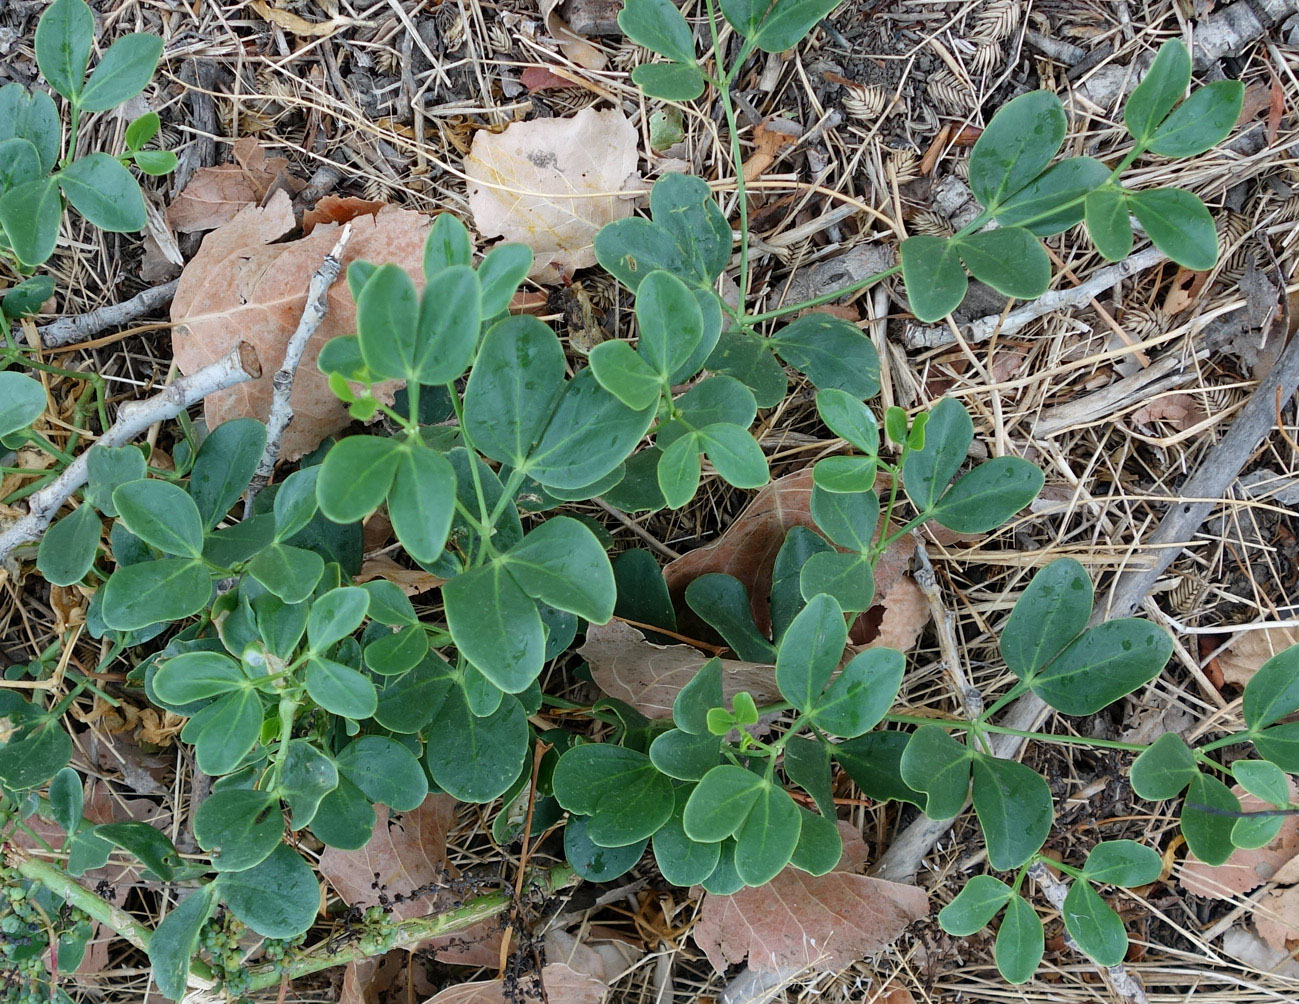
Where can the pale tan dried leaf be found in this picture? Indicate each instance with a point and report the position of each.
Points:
(242, 287)
(411, 581)
(214, 195)
(1246, 869)
(406, 853)
(1250, 649)
(561, 986)
(905, 612)
(299, 25)
(603, 959)
(575, 47)
(626, 666)
(1277, 917)
(552, 184)
(799, 920)
(1180, 411)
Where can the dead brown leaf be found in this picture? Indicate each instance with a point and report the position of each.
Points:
(558, 985)
(243, 287)
(552, 183)
(575, 47)
(215, 195)
(300, 25)
(647, 676)
(1181, 411)
(1247, 652)
(407, 854)
(1246, 869)
(338, 209)
(1277, 917)
(412, 581)
(799, 920)
(769, 138)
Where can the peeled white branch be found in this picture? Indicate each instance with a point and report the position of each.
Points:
(235, 367)
(313, 313)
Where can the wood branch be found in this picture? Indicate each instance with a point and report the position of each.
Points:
(235, 367)
(313, 313)
(1210, 480)
(70, 330)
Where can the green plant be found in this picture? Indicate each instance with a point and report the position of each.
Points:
(307, 693)
(39, 170)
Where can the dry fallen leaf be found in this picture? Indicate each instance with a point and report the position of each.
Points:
(557, 985)
(799, 920)
(407, 853)
(1180, 411)
(1246, 869)
(243, 287)
(575, 47)
(215, 195)
(338, 209)
(626, 666)
(769, 138)
(1247, 652)
(411, 581)
(300, 25)
(552, 184)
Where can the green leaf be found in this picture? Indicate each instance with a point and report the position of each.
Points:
(31, 761)
(291, 573)
(64, 35)
(749, 361)
(765, 842)
(513, 388)
(1164, 769)
(30, 215)
(624, 794)
(679, 471)
(160, 514)
(1020, 942)
(141, 130)
(340, 689)
(1208, 834)
(1016, 147)
(874, 762)
(810, 652)
(409, 702)
(121, 73)
(421, 501)
(807, 764)
(1123, 863)
(846, 577)
(277, 898)
(563, 564)
(33, 117)
(684, 756)
(1179, 225)
(1200, 122)
(295, 502)
(720, 803)
(978, 902)
(1014, 807)
(669, 81)
(861, 695)
(589, 433)
(195, 676)
(625, 375)
(495, 625)
(593, 862)
(502, 271)
(725, 880)
(989, 495)
(682, 861)
(704, 691)
(1050, 613)
(20, 163)
(335, 615)
(1264, 780)
(239, 826)
(110, 466)
(669, 321)
(393, 653)
(152, 592)
(1104, 663)
(151, 846)
(69, 546)
(660, 27)
(224, 465)
(103, 191)
(345, 818)
(1095, 927)
(477, 759)
(227, 729)
(714, 401)
(356, 475)
(786, 595)
(447, 244)
(723, 603)
(1252, 832)
(387, 322)
(849, 419)
(22, 401)
(66, 799)
(832, 353)
(948, 435)
(849, 520)
(1161, 88)
(306, 777)
(1009, 259)
(734, 454)
(938, 766)
(1106, 212)
(819, 847)
(385, 771)
(175, 941)
(450, 316)
(1054, 201)
(388, 604)
(1280, 744)
(782, 25)
(1273, 691)
(26, 298)
(934, 277)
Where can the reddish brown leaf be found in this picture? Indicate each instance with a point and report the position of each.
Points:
(412, 581)
(558, 985)
(799, 920)
(538, 78)
(338, 209)
(242, 287)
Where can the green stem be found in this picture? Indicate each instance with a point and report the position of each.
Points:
(1217, 744)
(817, 301)
(1013, 693)
(961, 726)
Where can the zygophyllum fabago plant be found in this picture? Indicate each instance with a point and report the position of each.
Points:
(310, 699)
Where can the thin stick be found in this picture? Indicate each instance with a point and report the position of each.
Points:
(70, 330)
(313, 313)
(236, 366)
